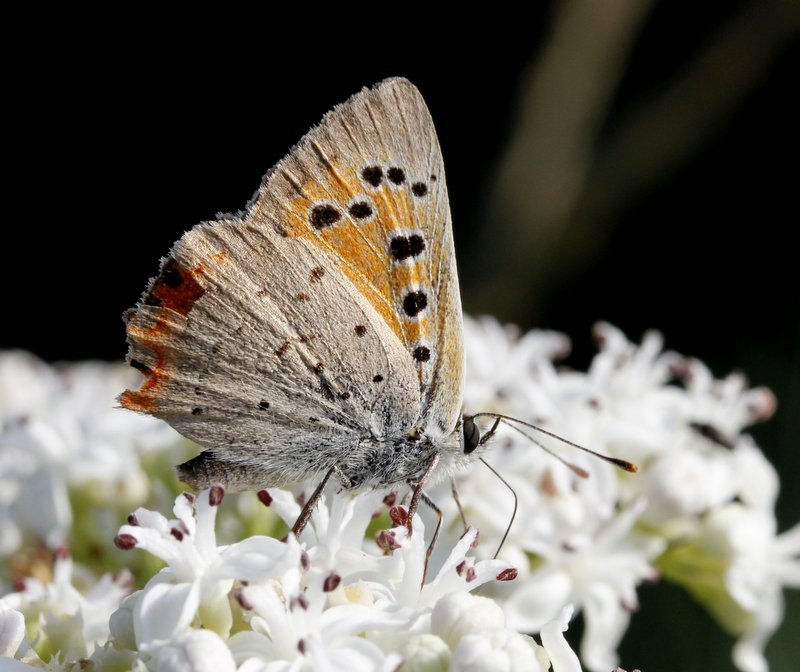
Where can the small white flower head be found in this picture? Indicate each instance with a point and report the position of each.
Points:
(496, 649)
(591, 542)
(721, 409)
(501, 363)
(62, 435)
(458, 614)
(60, 617)
(356, 603)
(737, 566)
(575, 540)
(194, 651)
(303, 631)
(199, 575)
(599, 575)
(474, 628)
(426, 653)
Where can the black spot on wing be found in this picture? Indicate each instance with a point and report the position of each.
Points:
(419, 189)
(360, 210)
(421, 353)
(323, 216)
(406, 247)
(396, 175)
(414, 303)
(372, 175)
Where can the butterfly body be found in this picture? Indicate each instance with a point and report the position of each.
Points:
(321, 328)
(367, 462)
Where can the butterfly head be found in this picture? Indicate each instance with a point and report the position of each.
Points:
(470, 434)
(464, 444)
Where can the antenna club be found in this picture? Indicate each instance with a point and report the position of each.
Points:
(627, 466)
(622, 464)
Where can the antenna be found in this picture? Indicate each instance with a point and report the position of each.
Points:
(516, 503)
(579, 471)
(621, 464)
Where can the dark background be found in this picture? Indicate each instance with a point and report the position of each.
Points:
(119, 139)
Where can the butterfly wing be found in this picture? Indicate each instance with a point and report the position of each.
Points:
(368, 184)
(279, 339)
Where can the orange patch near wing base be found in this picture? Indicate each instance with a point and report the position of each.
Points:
(174, 291)
(137, 401)
(175, 288)
(144, 399)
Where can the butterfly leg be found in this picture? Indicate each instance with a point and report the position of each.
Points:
(305, 514)
(458, 504)
(429, 551)
(415, 497)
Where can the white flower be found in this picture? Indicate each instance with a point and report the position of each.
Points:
(737, 567)
(25, 383)
(599, 575)
(579, 534)
(501, 363)
(12, 630)
(194, 651)
(590, 542)
(497, 650)
(425, 653)
(474, 627)
(34, 501)
(756, 579)
(64, 619)
(700, 512)
(340, 603)
(60, 430)
(725, 406)
(458, 614)
(354, 606)
(300, 631)
(199, 575)
(683, 484)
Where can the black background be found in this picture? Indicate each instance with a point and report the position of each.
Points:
(120, 138)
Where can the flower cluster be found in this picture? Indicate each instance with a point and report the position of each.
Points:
(700, 512)
(70, 460)
(329, 600)
(219, 590)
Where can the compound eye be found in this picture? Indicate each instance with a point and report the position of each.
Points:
(470, 434)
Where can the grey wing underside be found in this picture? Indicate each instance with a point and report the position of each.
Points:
(389, 126)
(260, 345)
(267, 370)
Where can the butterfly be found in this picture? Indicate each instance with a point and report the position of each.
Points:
(318, 333)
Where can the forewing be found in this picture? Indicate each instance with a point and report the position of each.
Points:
(368, 186)
(277, 339)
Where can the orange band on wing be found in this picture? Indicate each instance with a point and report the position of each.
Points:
(175, 290)
(359, 223)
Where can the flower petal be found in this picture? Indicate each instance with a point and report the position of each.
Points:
(163, 612)
(12, 630)
(195, 651)
(562, 657)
